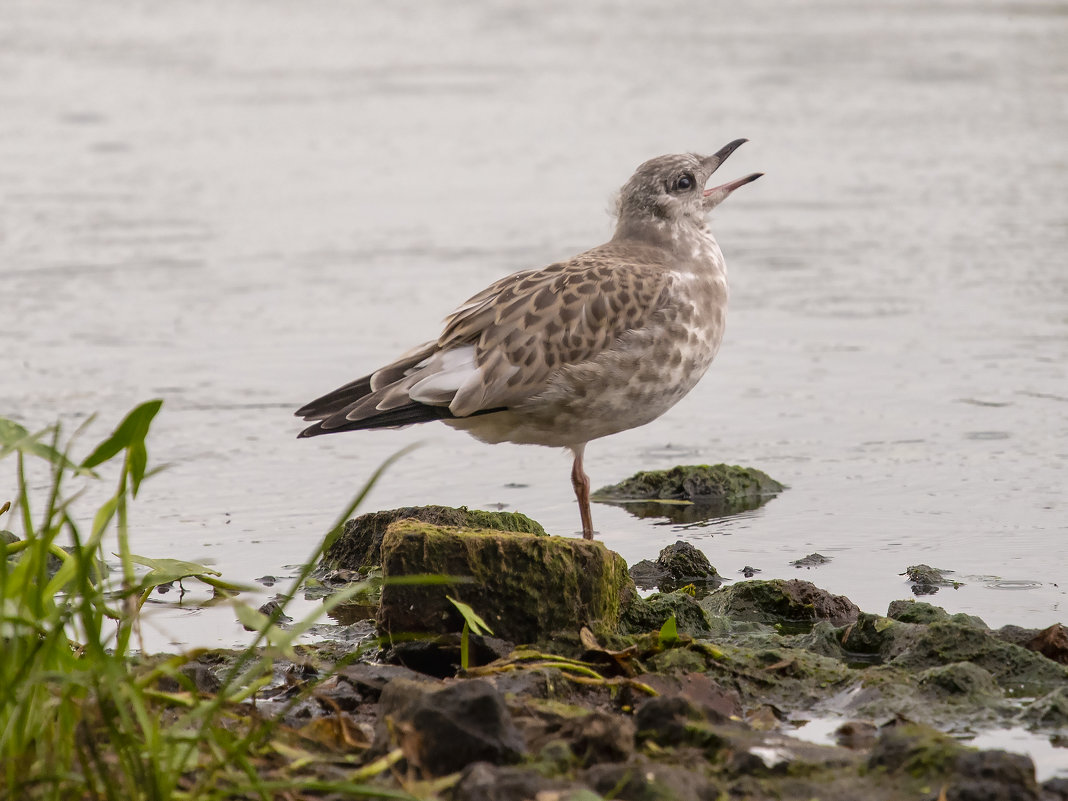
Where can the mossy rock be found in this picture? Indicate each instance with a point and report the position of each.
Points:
(677, 565)
(687, 493)
(877, 635)
(359, 545)
(913, 611)
(915, 751)
(780, 601)
(649, 614)
(960, 682)
(947, 642)
(524, 587)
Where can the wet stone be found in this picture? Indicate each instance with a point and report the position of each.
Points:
(676, 566)
(599, 737)
(914, 750)
(856, 735)
(926, 580)
(715, 702)
(644, 780)
(482, 781)
(912, 611)
(442, 731)
(993, 776)
(874, 634)
(947, 642)
(1052, 643)
(1050, 711)
(812, 560)
(649, 614)
(691, 493)
(961, 681)
(675, 721)
(371, 679)
(202, 677)
(780, 601)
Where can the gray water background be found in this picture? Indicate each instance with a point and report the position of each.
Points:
(236, 206)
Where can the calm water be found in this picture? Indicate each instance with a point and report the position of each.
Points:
(237, 206)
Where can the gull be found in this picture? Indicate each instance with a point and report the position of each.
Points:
(559, 356)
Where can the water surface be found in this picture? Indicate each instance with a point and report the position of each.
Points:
(237, 206)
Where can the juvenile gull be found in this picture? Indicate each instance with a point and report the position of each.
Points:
(606, 341)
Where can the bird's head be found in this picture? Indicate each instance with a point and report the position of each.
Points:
(671, 189)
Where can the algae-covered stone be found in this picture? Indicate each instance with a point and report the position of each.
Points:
(721, 483)
(704, 491)
(926, 580)
(649, 614)
(882, 636)
(915, 751)
(1050, 711)
(360, 542)
(947, 642)
(677, 565)
(524, 587)
(959, 682)
(780, 601)
(912, 611)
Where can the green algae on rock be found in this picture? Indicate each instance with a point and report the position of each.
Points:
(692, 492)
(676, 566)
(525, 587)
(359, 545)
(913, 611)
(780, 601)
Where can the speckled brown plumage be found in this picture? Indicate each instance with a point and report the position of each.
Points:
(603, 342)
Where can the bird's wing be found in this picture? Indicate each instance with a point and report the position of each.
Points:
(525, 326)
(501, 345)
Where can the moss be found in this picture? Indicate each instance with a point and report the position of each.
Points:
(709, 484)
(779, 601)
(916, 751)
(679, 660)
(524, 587)
(649, 614)
(946, 642)
(960, 682)
(913, 611)
(359, 545)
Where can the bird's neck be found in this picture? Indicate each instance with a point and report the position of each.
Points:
(684, 238)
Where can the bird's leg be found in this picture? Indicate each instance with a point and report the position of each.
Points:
(581, 482)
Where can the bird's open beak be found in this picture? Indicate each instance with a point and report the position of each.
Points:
(717, 194)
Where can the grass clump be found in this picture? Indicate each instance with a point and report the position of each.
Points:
(81, 715)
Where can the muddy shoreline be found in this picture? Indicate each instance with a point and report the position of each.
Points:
(588, 689)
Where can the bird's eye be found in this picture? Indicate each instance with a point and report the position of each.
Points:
(684, 183)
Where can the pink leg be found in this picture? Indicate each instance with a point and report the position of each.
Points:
(581, 482)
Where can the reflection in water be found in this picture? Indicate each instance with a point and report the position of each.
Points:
(686, 512)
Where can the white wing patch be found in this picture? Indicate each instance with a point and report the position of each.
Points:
(442, 375)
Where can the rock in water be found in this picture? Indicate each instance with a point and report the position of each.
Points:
(524, 587)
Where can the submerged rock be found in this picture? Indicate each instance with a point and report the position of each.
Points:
(359, 544)
(780, 601)
(524, 587)
(689, 493)
(676, 566)
(810, 561)
(926, 580)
